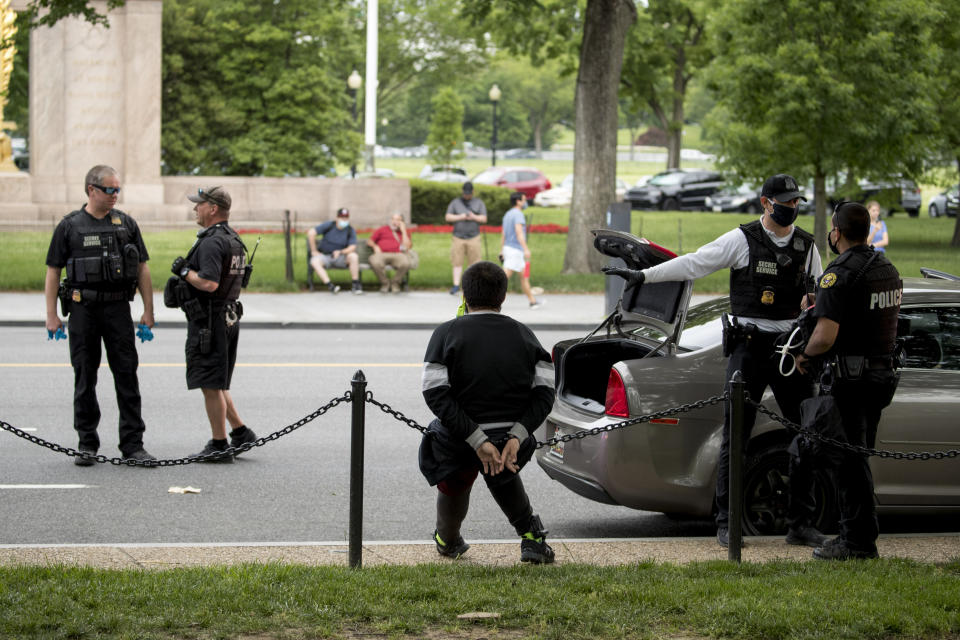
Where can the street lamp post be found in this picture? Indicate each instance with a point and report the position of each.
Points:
(353, 83)
(494, 96)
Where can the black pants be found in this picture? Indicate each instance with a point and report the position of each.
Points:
(860, 403)
(754, 359)
(453, 501)
(110, 323)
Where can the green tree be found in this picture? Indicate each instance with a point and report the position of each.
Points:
(589, 37)
(256, 87)
(665, 50)
(49, 12)
(946, 88)
(819, 88)
(445, 142)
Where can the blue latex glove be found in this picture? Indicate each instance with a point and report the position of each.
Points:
(144, 333)
(59, 335)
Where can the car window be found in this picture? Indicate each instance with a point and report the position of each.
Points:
(511, 176)
(526, 176)
(666, 179)
(931, 337)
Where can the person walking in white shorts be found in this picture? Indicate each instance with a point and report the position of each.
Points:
(514, 252)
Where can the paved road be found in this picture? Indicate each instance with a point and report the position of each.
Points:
(293, 490)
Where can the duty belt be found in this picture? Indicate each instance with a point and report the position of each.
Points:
(92, 295)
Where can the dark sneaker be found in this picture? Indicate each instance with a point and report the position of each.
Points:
(239, 438)
(334, 288)
(356, 289)
(454, 549)
(807, 536)
(216, 455)
(455, 289)
(141, 455)
(723, 538)
(85, 462)
(839, 549)
(535, 549)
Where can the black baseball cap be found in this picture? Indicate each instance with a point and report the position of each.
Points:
(343, 212)
(781, 187)
(468, 187)
(213, 195)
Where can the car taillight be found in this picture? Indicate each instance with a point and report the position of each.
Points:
(615, 404)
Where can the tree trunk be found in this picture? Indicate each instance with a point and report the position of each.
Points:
(538, 138)
(820, 211)
(956, 227)
(595, 152)
(675, 126)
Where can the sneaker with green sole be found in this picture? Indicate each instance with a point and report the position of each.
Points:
(454, 549)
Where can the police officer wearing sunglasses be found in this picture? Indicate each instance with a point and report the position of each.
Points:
(214, 271)
(106, 261)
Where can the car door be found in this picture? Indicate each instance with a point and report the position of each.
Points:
(923, 414)
(697, 187)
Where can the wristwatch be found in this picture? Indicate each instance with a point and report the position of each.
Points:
(184, 272)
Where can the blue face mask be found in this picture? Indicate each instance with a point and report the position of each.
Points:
(343, 224)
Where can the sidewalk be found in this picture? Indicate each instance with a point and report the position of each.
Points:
(372, 310)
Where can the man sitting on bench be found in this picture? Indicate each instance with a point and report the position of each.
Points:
(337, 250)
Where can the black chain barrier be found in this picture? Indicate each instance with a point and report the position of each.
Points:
(413, 424)
(854, 448)
(259, 442)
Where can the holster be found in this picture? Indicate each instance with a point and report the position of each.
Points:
(66, 303)
(195, 310)
(850, 367)
(734, 333)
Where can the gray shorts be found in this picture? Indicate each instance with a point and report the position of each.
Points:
(329, 262)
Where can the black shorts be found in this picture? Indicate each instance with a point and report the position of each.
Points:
(212, 370)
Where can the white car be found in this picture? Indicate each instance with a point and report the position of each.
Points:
(562, 195)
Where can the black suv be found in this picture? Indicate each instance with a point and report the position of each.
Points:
(676, 189)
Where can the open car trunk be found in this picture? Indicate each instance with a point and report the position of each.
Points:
(582, 367)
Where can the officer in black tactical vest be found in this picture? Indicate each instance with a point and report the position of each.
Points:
(772, 265)
(854, 344)
(106, 262)
(214, 271)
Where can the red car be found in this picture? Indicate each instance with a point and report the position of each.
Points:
(526, 180)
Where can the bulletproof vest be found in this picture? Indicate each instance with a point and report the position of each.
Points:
(102, 256)
(873, 295)
(774, 281)
(233, 265)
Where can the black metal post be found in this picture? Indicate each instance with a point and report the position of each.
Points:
(735, 538)
(493, 141)
(287, 230)
(353, 94)
(358, 400)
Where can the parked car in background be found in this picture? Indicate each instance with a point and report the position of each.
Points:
(527, 180)
(662, 355)
(562, 194)
(745, 199)
(946, 203)
(676, 189)
(897, 195)
(443, 173)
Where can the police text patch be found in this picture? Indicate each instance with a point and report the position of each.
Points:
(885, 299)
(828, 280)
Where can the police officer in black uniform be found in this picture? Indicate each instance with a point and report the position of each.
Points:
(214, 272)
(771, 264)
(106, 261)
(854, 340)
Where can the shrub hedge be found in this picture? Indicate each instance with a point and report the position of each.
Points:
(429, 200)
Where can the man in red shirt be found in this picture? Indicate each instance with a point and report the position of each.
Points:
(390, 244)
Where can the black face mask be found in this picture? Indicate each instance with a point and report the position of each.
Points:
(783, 215)
(833, 247)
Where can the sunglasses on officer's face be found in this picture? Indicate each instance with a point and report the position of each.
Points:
(110, 191)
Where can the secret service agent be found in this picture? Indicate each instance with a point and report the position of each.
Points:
(858, 301)
(215, 270)
(106, 261)
(772, 263)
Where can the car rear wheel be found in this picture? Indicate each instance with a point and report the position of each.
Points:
(670, 204)
(766, 491)
(913, 213)
(934, 212)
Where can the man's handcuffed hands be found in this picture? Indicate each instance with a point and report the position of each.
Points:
(494, 461)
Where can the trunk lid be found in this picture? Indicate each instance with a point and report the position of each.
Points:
(661, 305)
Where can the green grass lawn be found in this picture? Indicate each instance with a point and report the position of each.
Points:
(914, 243)
(880, 599)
